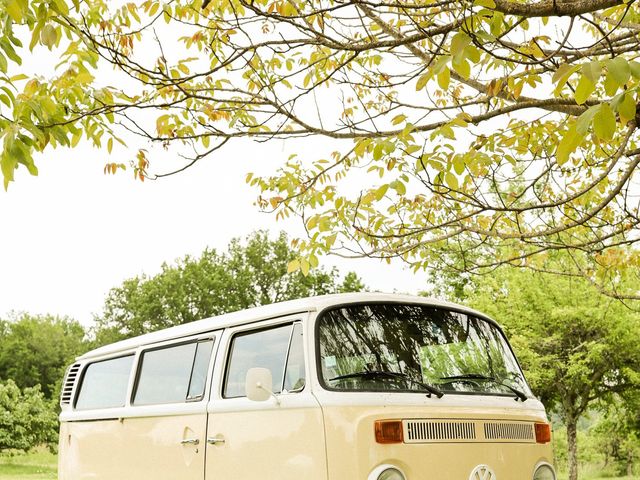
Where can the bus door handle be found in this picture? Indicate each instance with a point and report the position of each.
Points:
(190, 441)
(217, 440)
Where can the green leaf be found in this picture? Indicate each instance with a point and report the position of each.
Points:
(635, 69)
(462, 67)
(381, 191)
(584, 121)
(592, 71)
(619, 69)
(610, 85)
(399, 187)
(604, 122)
(61, 6)
(570, 141)
(485, 3)
(584, 89)
(563, 70)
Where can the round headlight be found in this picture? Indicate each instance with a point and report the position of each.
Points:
(386, 472)
(544, 472)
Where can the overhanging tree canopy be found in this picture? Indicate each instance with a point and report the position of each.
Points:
(480, 132)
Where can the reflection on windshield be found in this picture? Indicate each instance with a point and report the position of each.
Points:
(450, 351)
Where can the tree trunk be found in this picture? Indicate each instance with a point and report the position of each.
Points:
(572, 442)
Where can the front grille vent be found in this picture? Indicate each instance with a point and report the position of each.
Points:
(438, 431)
(509, 431)
(69, 384)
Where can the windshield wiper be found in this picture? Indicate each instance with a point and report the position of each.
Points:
(477, 376)
(381, 373)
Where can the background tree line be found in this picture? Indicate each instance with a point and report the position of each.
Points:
(579, 349)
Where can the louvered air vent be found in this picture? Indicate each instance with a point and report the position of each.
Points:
(70, 380)
(509, 431)
(420, 431)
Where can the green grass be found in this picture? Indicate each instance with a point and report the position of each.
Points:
(42, 465)
(37, 465)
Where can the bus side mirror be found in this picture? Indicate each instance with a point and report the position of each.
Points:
(258, 384)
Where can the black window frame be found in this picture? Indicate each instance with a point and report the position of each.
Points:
(260, 329)
(138, 371)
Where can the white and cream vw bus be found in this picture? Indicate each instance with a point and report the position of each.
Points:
(340, 387)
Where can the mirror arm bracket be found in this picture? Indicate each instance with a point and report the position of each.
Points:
(268, 390)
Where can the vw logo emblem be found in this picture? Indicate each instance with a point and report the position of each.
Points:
(482, 472)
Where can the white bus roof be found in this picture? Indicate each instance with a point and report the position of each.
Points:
(265, 312)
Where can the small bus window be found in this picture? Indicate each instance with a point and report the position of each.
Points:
(264, 348)
(104, 384)
(199, 371)
(294, 378)
(173, 374)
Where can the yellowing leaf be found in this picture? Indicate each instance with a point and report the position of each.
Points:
(451, 181)
(422, 81)
(15, 11)
(293, 266)
(381, 191)
(444, 77)
(459, 41)
(48, 36)
(627, 108)
(462, 67)
(304, 266)
(604, 122)
(570, 141)
(398, 119)
(584, 89)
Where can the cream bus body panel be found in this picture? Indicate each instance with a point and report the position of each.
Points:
(132, 447)
(284, 442)
(352, 451)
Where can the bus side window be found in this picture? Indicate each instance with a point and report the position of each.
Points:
(104, 384)
(280, 349)
(173, 374)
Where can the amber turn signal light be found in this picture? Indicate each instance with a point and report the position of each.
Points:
(389, 431)
(543, 433)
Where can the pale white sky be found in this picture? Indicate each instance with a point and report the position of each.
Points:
(72, 233)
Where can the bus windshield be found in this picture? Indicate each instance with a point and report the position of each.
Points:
(415, 348)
